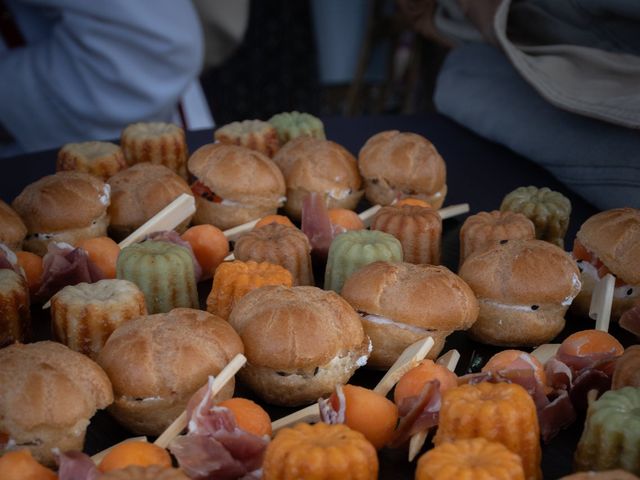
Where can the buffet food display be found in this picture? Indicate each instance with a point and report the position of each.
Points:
(311, 293)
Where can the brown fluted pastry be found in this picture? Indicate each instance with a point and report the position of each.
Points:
(548, 210)
(254, 134)
(484, 230)
(156, 142)
(102, 159)
(419, 230)
(141, 191)
(15, 315)
(84, 316)
(279, 244)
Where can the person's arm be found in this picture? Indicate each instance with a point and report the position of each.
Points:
(104, 64)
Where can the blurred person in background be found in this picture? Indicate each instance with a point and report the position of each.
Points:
(76, 70)
(556, 81)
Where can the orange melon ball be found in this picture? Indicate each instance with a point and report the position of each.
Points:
(413, 202)
(347, 219)
(137, 453)
(103, 252)
(281, 219)
(209, 245)
(587, 342)
(250, 416)
(20, 465)
(33, 268)
(369, 413)
(516, 360)
(412, 382)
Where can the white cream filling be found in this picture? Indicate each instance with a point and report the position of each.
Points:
(233, 203)
(624, 291)
(362, 361)
(230, 203)
(339, 193)
(138, 399)
(105, 198)
(387, 321)
(576, 285)
(508, 306)
(11, 444)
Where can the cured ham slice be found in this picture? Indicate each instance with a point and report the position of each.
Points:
(74, 465)
(418, 413)
(65, 265)
(316, 224)
(215, 447)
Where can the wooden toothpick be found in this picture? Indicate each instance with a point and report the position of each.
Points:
(220, 381)
(450, 361)
(166, 219)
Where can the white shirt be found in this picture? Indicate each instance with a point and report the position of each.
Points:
(91, 67)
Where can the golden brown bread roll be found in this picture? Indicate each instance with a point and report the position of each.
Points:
(65, 207)
(524, 288)
(612, 240)
(235, 185)
(299, 342)
(316, 165)
(141, 191)
(12, 228)
(173, 354)
(400, 164)
(48, 393)
(402, 302)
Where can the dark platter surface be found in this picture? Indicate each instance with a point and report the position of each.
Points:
(478, 172)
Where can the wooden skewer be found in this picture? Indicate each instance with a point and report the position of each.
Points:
(310, 414)
(166, 219)
(453, 210)
(450, 361)
(180, 423)
(97, 458)
(407, 360)
(599, 310)
(601, 301)
(367, 215)
(220, 381)
(546, 352)
(234, 233)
